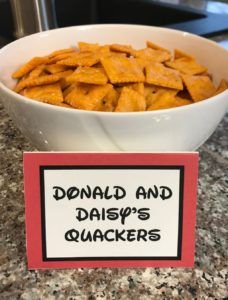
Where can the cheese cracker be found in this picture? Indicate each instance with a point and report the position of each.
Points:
(122, 48)
(138, 87)
(61, 56)
(41, 80)
(156, 47)
(186, 66)
(28, 82)
(88, 75)
(151, 55)
(162, 96)
(121, 69)
(130, 100)
(54, 68)
(29, 66)
(86, 59)
(199, 87)
(51, 93)
(37, 71)
(158, 74)
(88, 98)
(85, 47)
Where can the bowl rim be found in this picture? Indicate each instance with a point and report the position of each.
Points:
(105, 113)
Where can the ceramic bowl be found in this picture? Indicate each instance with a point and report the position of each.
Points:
(55, 128)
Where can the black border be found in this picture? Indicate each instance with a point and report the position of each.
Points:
(100, 167)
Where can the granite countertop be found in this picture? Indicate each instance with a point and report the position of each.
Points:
(208, 280)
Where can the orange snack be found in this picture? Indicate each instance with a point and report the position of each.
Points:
(199, 87)
(116, 78)
(151, 55)
(121, 69)
(29, 66)
(158, 74)
(138, 87)
(89, 98)
(156, 47)
(163, 97)
(42, 80)
(86, 59)
(130, 100)
(50, 93)
(61, 56)
(37, 71)
(186, 66)
(85, 47)
(88, 75)
(127, 49)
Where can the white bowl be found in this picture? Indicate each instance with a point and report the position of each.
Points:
(56, 128)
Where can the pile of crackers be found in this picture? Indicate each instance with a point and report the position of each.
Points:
(116, 78)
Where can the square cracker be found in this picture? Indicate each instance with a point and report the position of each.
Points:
(122, 49)
(88, 97)
(165, 98)
(186, 66)
(159, 75)
(161, 96)
(121, 69)
(156, 47)
(161, 103)
(88, 75)
(50, 93)
(152, 55)
(37, 71)
(29, 66)
(130, 100)
(61, 56)
(41, 80)
(99, 51)
(86, 59)
(199, 87)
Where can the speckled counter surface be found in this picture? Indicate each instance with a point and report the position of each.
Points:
(208, 280)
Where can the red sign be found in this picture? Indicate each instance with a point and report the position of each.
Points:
(110, 209)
